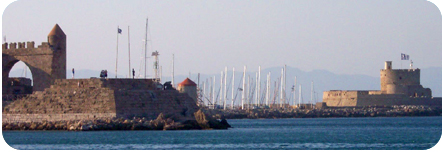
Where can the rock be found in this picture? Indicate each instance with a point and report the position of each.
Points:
(224, 122)
(201, 119)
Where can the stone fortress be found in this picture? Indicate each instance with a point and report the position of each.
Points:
(398, 87)
(55, 98)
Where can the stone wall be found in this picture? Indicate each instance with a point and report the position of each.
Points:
(10, 118)
(341, 98)
(125, 98)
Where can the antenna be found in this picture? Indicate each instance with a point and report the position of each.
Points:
(156, 65)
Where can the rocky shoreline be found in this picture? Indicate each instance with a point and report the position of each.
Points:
(372, 111)
(216, 118)
(160, 123)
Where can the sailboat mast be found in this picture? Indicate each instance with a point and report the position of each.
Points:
(173, 70)
(311, 94)
(294, 93)
(233, 84)
(268, 89)
(225, 88)
(256, 87)
(243, 88)
(145, 53)
(282, 85)
(285, 84)
(259, 84)
(248, 92)
(300, 95)
(213, 91)
(221, 87)
(128, 47)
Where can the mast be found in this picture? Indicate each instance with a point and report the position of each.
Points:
(285, 84)
(145, 53)
(213, 91)
(128, 45)
(173, 70)
(203, 91)
(259, 84)
(248, 92)
(311, 94)
(282, 85)
(268, 89)
(225, 88)
(294, 93)
(233, 84)
(256, 87)
(243, 88)
(300, 95)
(221, 87)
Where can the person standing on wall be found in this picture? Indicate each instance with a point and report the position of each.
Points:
(133, 73)
(73, 73)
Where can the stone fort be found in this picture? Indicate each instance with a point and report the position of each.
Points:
(398, 87)
(53, 97)
(47, 62)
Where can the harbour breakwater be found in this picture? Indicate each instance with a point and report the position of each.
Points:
(369, 111)
(200, 122)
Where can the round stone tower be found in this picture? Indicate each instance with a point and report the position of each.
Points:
(398, 81)
(57, 38)
(189, 87)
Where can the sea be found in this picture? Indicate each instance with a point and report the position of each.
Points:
(378, 133)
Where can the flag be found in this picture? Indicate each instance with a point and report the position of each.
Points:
(119, 31)
(404, 56)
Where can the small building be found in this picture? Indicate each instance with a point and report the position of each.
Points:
(398, 87)
(189, 87)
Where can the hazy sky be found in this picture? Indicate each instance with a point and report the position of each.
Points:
(341, 36)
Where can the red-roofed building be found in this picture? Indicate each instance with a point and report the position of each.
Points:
(189, 87)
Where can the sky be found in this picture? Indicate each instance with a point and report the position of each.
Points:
(340, 36)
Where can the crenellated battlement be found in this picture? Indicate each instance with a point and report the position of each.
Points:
(22, 45)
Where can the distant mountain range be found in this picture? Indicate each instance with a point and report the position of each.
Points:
(323, 80)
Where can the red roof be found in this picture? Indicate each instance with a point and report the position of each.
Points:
(187, 82)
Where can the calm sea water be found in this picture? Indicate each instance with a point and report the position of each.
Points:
(315, 133)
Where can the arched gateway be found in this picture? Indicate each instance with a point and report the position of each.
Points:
(47, 62)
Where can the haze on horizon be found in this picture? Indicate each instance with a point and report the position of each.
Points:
(340, 36)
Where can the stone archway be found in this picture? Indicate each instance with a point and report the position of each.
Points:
(47, 62)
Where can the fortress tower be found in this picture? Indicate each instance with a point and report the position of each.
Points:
(398, 87)
(402, 81)
(47, 62)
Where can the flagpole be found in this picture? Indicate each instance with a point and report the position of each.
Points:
(116, 60)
